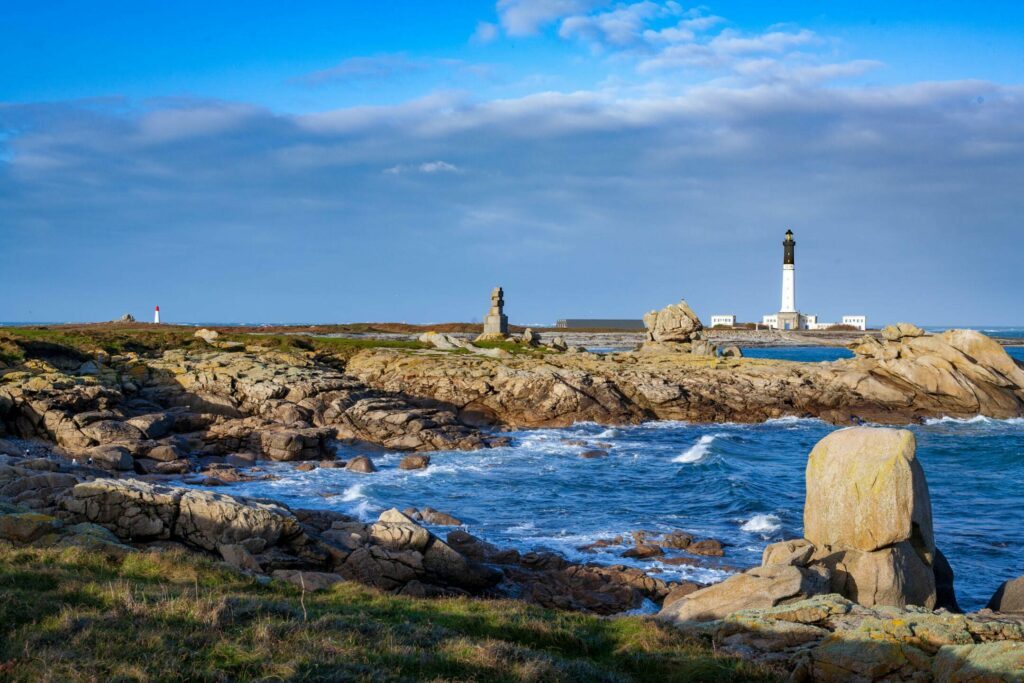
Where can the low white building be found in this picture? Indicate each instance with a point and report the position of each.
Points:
(803, 322)
(858, 321)
(723, 321)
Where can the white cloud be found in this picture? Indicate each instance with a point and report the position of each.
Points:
(730, 42)
(485, 32)
(660, 35)
(429, 167)
(364, 68)
(620, 27)
(527, 17)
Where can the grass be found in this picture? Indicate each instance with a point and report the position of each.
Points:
(76, 615)
(18, 343)
(46, 341)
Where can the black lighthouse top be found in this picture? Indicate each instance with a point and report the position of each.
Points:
(787, 249)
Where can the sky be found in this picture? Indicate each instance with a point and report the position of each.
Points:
(352, 161)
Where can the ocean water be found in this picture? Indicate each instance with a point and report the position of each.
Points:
(741, 484)
(805, 354)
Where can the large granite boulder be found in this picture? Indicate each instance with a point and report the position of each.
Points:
(311, 443)
(768, 586)
(674, 323)
(868, 514)
(866, 490)
(894, 575)
(1009, 597)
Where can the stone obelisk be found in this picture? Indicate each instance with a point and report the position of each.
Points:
(496, 322)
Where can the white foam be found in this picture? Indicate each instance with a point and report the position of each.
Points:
(353, 493)
(762, 524)
(609, 433)
(365, 509)
(697, 451)
(793, 420)
(977, 419)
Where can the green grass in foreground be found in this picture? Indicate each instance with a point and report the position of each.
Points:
(76, 615)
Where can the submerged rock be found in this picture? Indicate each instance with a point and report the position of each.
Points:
(1009, 597)
(361, 464)
(414, 462)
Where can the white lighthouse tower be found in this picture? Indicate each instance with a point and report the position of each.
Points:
(788, 275)
(156, 316)
(789, 318)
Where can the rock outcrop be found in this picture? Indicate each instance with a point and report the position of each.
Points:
(830, 638)
(768, 586)
(957, 374)
(674, 323)
(853, 601)
(159, 414)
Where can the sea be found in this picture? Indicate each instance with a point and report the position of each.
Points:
(742, 484)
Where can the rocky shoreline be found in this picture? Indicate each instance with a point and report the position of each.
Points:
(96, 447)
(865, 596)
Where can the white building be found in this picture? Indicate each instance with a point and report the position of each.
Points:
(723, 321)
(858, 321)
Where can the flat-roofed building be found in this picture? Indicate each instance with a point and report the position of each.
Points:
(723, 321)
(600, 323)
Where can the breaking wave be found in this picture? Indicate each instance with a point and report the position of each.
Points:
(762, 524)
(697, 451)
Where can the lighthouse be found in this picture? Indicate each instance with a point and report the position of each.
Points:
(156, 316)
(788, 274)
(789, 318)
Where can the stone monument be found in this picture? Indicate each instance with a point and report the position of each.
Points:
(496, 322)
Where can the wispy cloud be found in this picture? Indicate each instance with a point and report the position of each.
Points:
(428, 167)
(485, 32)
(663, 36)
(527, 17)
(364, 68)
(387, 67)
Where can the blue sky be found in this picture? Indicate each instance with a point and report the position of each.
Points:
(394, 161)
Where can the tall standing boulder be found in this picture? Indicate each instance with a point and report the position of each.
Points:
(674, 323)
(869, 516)
(866, 490)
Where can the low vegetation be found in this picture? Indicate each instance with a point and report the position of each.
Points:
(513, 347)
(78, 615)
(82, 342)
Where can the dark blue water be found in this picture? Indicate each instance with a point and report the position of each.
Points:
(742, 484)
(816, 354)
(805, 354)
